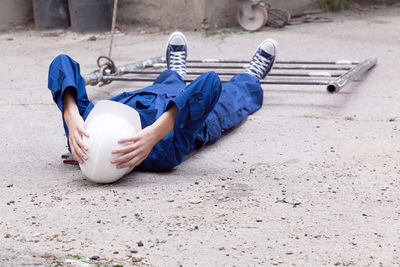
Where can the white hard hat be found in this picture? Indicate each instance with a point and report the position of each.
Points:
(108, 122)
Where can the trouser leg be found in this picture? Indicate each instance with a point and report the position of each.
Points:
(203, 93)
(241, 96)
(64, 73)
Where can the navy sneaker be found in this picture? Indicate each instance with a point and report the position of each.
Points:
(263, 59)
(176, 53)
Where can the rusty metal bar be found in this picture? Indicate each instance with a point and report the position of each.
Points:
(114, 18)
(335, 85)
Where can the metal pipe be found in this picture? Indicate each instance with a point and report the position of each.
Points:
(276, 67)
(335, 85)
(191, 79)
(114, 18)
(272, 73)
(244, 66)
(94, 77)
(140, 64)
(319, 62)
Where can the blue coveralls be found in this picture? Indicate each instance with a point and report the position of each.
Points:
(206, 108)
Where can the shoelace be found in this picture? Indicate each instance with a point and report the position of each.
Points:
(258, 65)
(178, 62)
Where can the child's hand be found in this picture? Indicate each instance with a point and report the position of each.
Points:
(76, 128)
(136, 148)
(139, 146)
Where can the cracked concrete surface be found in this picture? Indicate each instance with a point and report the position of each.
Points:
(337, 155)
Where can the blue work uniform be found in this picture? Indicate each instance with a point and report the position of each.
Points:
(206, 108)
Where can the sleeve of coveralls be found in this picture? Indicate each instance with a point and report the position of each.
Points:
(64, 72)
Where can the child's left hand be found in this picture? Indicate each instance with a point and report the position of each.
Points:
(136, 150)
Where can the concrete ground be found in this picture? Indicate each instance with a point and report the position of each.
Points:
(336, 155)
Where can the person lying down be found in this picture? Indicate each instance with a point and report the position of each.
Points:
(152, 129)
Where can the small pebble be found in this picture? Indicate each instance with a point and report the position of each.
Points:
(140, 244)
(94, 258)
(195, 201)
(134, 251)
(136, 259)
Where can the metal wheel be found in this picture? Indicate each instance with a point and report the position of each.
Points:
(256, 23)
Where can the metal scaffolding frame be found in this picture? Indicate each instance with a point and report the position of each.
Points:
(332, 74)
